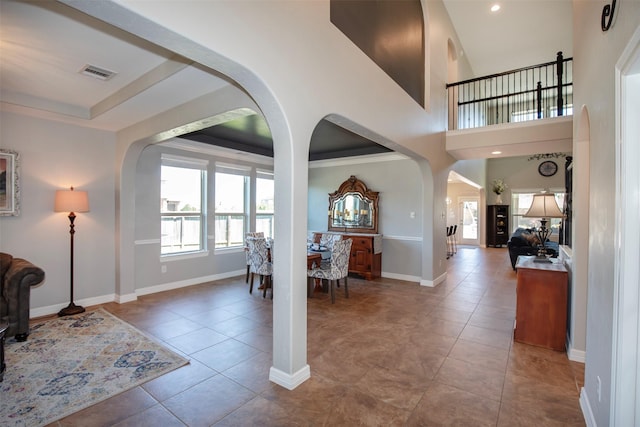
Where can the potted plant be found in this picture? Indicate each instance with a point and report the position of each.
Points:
(499, 187)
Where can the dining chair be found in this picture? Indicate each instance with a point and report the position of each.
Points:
(336, 269)
(246, 248)
(259, 262)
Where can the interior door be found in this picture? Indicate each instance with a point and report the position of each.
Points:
(468, 232)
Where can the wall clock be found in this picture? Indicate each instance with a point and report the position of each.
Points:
(548, 168)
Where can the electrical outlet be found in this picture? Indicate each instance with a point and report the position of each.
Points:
(163, 269)
(599, 388)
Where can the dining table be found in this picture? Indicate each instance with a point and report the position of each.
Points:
(313, 259)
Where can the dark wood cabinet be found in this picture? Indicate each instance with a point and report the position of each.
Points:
(497, 225)
(366, 255)
(541, 303)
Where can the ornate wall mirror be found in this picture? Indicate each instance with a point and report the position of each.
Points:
(353, 208)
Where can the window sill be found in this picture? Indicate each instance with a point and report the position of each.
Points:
(183, 256)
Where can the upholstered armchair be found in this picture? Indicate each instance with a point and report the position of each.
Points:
(336, 269)
(16, 278)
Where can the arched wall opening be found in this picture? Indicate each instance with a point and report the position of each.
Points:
(464, 209)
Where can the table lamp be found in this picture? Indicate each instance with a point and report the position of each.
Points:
(543, 206)
(71, 201)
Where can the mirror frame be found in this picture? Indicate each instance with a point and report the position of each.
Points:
(350, 186)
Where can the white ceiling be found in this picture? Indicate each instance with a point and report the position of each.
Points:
(44, 45)
(520, 34)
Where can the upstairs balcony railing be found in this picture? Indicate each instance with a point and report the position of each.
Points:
(530, 93)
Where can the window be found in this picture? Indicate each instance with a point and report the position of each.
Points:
(182, 205)
(231, 216)
(264, 203)
(521, 202)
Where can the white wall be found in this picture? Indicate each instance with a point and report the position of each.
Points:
(595, 57)
(56, 156)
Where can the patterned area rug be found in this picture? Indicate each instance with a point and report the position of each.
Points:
(70, 363)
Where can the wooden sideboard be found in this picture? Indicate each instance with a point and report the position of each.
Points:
(541, 306)
(366, 253)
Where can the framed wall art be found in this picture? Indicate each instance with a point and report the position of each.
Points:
(9, 183)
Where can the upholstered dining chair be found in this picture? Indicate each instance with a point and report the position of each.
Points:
(336, 269)
(246, 247)
(259, 262)
(327, 240)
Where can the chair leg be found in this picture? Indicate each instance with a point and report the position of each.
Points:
(251, 285)
(346, 288)
(333, 291)
(311, 286)
(246, 280)
(267, 284)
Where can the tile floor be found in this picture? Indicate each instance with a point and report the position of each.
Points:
(394, 353)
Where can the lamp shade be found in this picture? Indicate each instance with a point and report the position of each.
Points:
(71, 201)
(544, 206)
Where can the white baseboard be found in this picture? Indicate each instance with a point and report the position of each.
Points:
(289, 381)
(587, 413)
(53, 309)
(121, 299)
(573, 354)
(435, 282)
(189, 282)
(405, 277)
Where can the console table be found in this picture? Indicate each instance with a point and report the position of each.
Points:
(541, 306)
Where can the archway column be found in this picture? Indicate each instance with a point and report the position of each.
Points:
(290, 367)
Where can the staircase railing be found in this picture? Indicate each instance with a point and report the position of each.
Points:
(529, 93)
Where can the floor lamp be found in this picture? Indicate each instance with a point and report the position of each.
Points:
(543, 206)
(71, 201)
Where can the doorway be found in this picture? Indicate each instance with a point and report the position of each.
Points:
(468, 232)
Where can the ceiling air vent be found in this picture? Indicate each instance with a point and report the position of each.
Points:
(97, 72)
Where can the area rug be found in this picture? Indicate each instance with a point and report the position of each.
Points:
(70, 363)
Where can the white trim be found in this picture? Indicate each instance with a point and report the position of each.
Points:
(404, 238)
(404, 277)
(289, 381)
(587, 413)
(121, 299)
(55, 308)
(176, 161)
(147, 242)
(181, 256)
(573, 354)
(355, 160)
(212, 150)
(187, 282)
(434, 283)
(625, 362)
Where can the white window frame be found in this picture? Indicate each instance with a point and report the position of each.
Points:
(234, 169)
(554, 223)
(264, 175)
(197, 164)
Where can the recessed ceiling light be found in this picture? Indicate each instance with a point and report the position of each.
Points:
(496, 152)
(495, 7)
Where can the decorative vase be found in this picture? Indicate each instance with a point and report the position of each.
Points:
(498, 199)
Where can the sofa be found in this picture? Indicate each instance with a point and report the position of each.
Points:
(524, 241)
(16, 278)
